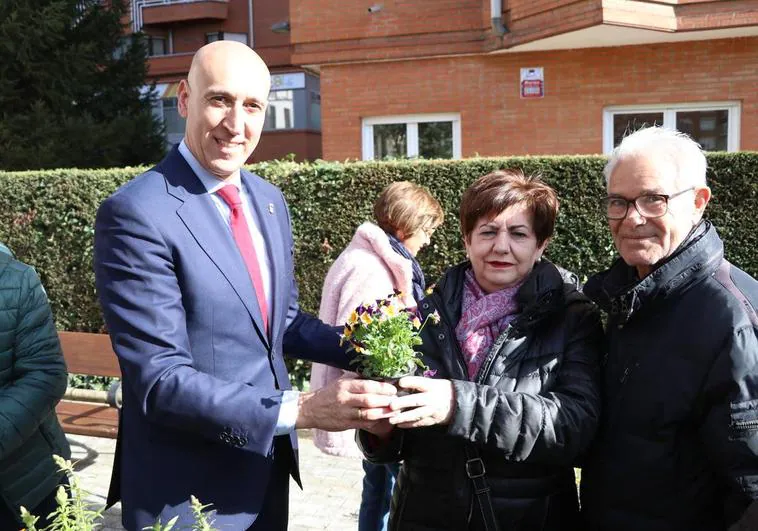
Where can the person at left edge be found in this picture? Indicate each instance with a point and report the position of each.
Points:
(32, 381)
(194, 271)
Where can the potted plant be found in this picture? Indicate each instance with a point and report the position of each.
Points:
(383, 335)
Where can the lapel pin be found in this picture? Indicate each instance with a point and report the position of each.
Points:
(271, 208)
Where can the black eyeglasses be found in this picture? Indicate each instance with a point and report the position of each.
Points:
(648, 205)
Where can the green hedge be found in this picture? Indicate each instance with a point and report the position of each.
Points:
(46, 217)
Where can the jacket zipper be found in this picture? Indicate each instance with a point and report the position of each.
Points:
(502, 338)
(453, 342)
(745, 425)
(630, 363)
(486, 366)
(491, 355)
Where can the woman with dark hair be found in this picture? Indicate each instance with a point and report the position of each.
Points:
(380, 258)
(489, 441)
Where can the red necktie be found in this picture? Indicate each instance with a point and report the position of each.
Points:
(241, 233)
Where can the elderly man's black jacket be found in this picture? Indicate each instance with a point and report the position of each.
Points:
(532, 409)
(678, 444)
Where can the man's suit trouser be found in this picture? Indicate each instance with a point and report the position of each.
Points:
(275, 512)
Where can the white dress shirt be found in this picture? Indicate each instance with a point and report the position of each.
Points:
(289, 410)
(213, 184)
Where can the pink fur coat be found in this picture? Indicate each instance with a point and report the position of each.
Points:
(368, 269)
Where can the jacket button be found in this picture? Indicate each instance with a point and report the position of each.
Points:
(441, 337)
(425, 306)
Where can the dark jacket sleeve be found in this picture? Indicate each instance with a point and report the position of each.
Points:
(377, 451)
(306, 336)
(729, 429)
(39, 371)
(309, 338)
(549, 428)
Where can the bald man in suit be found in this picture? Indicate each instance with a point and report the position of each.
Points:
(195, 274)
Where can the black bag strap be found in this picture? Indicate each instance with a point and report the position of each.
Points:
(477, 474)
(725, 279)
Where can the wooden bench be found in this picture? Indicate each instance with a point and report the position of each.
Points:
(89, 354)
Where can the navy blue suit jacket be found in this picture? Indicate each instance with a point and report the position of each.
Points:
(201, 380)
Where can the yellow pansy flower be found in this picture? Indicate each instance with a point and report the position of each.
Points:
(390, 311)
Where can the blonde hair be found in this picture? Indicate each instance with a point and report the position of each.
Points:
(405, 208)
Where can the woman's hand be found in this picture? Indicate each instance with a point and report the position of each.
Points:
(431, 402)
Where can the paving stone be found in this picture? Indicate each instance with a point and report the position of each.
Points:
(329, 501)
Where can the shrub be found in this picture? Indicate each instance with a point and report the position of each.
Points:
(75, 513)
(47, 218)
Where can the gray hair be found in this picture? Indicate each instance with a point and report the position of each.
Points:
(663, 145)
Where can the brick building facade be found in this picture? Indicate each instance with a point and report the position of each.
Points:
(175, 29)
(485, 77)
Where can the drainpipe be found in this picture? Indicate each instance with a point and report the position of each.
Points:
(250, 40)
(496, 12)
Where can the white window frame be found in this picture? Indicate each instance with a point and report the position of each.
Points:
(411, 122)
(669, 118)
(222, 36)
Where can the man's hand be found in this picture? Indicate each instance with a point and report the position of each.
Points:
(433, 402)
(345, 404)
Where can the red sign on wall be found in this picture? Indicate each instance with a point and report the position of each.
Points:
(532, 83)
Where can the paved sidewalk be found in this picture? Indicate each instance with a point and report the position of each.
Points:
(329, 501)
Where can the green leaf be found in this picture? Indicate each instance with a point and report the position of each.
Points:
(46, 218)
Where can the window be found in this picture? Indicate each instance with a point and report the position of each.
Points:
(430, 136)
(225, 36)
(156, 46)
(715, 126)
(173, 121)
(294, 102)
(280, 110)
(314, 117)
(166, 110)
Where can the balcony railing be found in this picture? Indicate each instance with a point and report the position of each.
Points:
(138, 7)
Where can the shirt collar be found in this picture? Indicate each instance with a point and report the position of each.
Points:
(211, 183)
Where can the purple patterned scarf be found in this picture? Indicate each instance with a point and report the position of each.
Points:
(484, 317)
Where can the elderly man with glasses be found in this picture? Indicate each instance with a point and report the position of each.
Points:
(677, 449)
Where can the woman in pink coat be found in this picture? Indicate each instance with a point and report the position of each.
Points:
(378, 260)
